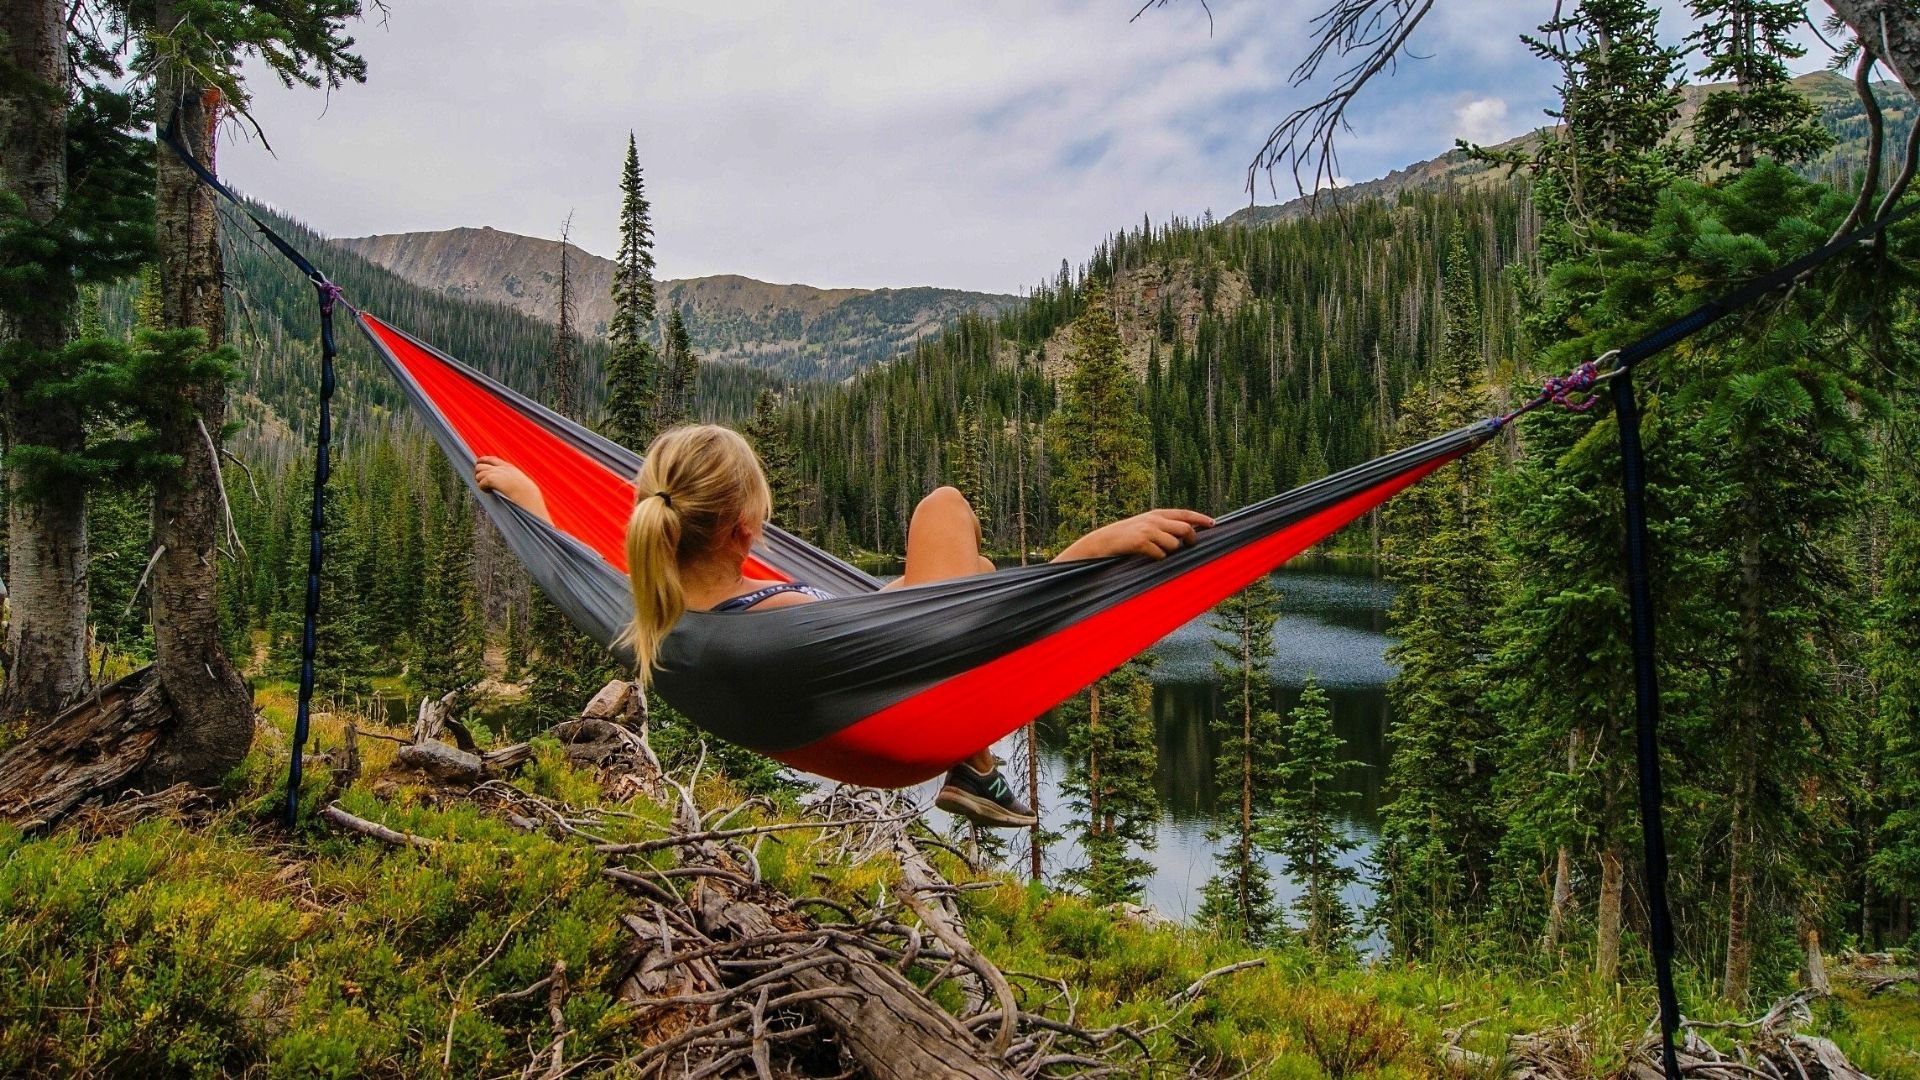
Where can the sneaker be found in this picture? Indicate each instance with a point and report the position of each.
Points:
(983, 799)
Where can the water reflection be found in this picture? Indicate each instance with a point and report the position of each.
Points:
(1333, 624)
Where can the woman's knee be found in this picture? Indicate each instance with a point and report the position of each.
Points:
(947, 503)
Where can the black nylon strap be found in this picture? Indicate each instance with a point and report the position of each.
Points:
(1646, 696)
(1721, 306)
(328, 293)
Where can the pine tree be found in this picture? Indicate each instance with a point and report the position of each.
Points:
(1894, 867)
(1306, 822)
(1099, 437)
(1112, 755)
(1098, 434)
(447, 640)
(769, 441)
(1748, 43)
(631, 369)
(563, 357)
(1613, 153)
(195, 52)
(1440, 829)
(61, 392)
(1248, 767)
(570, 666)
(678, 374)
(969, 457)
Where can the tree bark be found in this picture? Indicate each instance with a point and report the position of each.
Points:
(1891, 31)
(1563, 863)
(92, 751)
(215, 704)
(1606, 950)
(47, 535)
(1739, 897)
(1562, 896)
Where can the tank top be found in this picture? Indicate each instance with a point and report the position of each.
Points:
(742, 603)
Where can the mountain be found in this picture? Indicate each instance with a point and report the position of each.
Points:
(796, 330)
(1840, 113)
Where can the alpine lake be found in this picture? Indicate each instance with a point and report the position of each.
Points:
(1332, 624)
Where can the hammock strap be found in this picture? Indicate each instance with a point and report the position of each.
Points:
(328, 294)
(1646, 697)
(316, 547)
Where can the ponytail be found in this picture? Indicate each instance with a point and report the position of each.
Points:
(653, 571)
(697, 482)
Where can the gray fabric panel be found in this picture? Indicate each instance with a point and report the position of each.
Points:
(779, 679)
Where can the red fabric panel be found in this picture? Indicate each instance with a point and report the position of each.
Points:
(924, 735)
(588, 501)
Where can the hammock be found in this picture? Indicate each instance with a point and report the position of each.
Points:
(878, 688)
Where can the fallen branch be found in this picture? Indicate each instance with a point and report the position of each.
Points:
(333, 814)
(686, 839)
(1193, 989)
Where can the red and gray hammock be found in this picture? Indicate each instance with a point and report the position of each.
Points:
(891, 687)
(882, 688)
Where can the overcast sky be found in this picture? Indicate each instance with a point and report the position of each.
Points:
(971, 145)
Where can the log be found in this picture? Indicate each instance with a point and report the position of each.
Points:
(611, 702)
(452, 765)
(889, 1028)
(92, 753)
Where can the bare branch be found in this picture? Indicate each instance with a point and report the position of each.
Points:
(1193, 989)
(332, 813)
(1374, 31)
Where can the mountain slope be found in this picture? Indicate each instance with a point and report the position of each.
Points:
(797, 330)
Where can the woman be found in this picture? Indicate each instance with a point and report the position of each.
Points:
(702, 505)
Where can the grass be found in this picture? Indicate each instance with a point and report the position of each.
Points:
(223, 946)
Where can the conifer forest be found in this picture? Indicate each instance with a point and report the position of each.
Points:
(507, 856)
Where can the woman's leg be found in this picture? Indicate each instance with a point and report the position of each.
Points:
(943, 542)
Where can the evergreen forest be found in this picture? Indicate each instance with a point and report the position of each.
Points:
(508, 857)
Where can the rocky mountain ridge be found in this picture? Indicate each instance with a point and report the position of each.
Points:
(802, 331)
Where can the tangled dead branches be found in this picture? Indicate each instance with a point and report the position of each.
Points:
(1768, 1048)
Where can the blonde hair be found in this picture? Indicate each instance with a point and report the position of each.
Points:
(697, 483)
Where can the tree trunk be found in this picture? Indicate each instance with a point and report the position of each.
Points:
(1563, 863)
(214, 703)
(1739, 897)
(1093, 760)
(1606, 950)
(90, 752)
(1814, 974)
(1562, 896)
(1891, 31)
(46, 537)
(1246, 773)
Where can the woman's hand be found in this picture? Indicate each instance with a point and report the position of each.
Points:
(1155, 534)
(508, 482)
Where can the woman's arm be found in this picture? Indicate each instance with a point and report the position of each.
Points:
(1155, 534)
(495, 475)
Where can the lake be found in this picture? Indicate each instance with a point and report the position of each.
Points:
(1332, 623)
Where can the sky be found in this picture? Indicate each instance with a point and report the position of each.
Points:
(841, 143)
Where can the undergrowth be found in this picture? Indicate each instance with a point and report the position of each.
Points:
(222, 946)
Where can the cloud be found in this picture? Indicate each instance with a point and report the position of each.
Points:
(838, 142)
(1483, 121)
